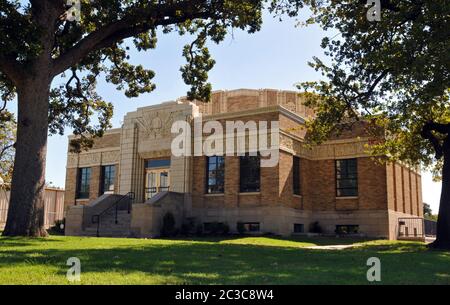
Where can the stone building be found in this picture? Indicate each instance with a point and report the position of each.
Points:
(335, 185)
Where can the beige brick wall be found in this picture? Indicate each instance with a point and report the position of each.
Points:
(372, 185)
(286, 180)
(231, 181)
(94, 191)
(404, 190)
(70, 188)
(321, 196)
(243, 99)
(108, 140)
(390, 184)
(290, 126)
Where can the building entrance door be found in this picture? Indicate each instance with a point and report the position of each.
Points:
(156, 181)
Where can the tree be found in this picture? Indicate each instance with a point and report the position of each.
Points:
(43, 39)
(394, 74)
(427, 211)
(7, 141)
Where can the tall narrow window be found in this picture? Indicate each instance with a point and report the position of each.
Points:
(346, 178)
(296, 175)
(108, 177)
(215, 175)
(250, 174)
(83, 184)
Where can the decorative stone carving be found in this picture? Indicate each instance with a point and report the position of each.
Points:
(110, 157)
(155, 154)
(93, 158)
(155, 124)
(291, 106)
(89, 159)
(286, 142)
(324, 151)
(72, 160)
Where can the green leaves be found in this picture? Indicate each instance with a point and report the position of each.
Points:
(394, 73)
(7, 141)
(73, 105)
(195, 73)
(36, 38)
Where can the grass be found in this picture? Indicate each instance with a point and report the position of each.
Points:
(247, 260)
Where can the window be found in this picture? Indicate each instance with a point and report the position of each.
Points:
(250, 173)
(347, 229)
(299, 228)
(108, 177)
(346, 178)
(83, 184)
(157, 163)
(251, 226)
(296, 175)
(215, 175)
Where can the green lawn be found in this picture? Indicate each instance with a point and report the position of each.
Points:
(248, 260)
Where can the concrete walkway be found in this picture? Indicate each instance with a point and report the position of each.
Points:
(335, 247)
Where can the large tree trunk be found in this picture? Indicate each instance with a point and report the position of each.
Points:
(26, 208)
(443, 225)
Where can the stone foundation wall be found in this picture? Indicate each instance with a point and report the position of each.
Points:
(281, 220)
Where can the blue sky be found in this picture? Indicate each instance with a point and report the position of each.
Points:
(276, 57)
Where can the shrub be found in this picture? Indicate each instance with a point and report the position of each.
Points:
(225, 229)
(216, 228)
(58, 228)
(241, 228)
(188, 227)
(315, 227)
(168, 227)
(199, 230)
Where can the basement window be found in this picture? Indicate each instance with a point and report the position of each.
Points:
(299, 228)
(347, 229)
(251, 226)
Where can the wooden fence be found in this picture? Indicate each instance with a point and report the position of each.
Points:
(54, 206)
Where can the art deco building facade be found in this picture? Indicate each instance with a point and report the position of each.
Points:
(336, 184)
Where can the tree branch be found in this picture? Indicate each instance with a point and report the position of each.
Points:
(4, 149)
(427, 133)
(130, 26)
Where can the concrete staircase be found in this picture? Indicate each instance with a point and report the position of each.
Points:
(108, 226)
(107, 216)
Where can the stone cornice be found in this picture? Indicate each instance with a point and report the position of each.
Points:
(107, 132)
(270, 109)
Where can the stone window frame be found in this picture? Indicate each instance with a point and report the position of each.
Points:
(345, 174)
(84, 182)
(215, 188)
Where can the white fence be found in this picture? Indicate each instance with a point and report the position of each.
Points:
(54, 206)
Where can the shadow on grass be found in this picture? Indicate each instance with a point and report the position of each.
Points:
(23, 242)
(215, 263)
(313, 241)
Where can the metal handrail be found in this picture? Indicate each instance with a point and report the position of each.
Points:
(156, 189)
(115, 205)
